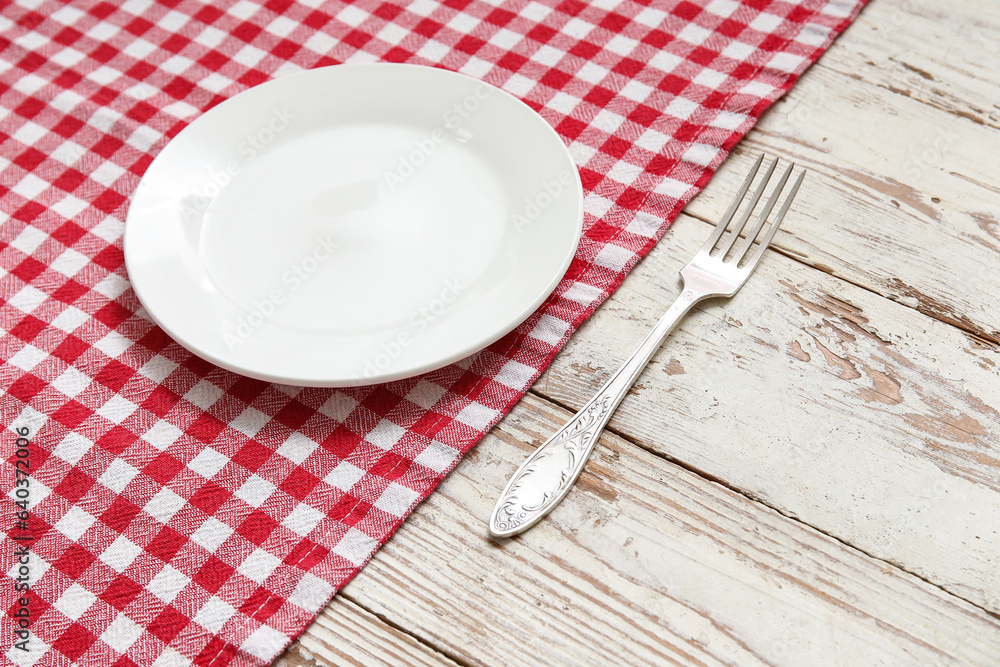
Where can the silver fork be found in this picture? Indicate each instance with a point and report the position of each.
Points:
(718, 269)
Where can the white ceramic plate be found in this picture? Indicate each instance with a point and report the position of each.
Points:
(353, 224)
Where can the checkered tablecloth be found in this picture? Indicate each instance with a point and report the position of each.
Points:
(159, 510)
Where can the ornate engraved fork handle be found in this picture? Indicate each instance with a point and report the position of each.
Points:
(546, 476)
(720, 268)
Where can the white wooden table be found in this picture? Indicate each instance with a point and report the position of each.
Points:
(806, 474)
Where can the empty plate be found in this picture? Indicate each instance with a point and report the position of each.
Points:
(353, 224)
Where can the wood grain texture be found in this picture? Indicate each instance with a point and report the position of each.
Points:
(649, 564)
(902, 195)
(832, 404)
(345, 634)
(944, 55)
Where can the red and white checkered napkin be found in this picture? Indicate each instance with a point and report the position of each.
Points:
(180, 513)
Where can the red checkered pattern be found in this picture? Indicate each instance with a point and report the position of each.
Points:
(181, 514)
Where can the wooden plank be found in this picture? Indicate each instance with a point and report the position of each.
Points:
(646, 563)
(898, 199)
(856, 415)
(344, 634)
(945, 55)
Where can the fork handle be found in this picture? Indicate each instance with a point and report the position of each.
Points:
(545, 478)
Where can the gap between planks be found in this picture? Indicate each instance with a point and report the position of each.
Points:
(754, 499)
(681, 609)
(318, 647)
(979, 336)
(443, 652)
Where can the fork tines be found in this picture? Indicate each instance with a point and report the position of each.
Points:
(723, 250)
